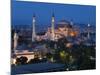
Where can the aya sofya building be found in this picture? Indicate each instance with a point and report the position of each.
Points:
(63, 29)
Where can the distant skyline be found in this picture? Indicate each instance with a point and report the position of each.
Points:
(22, 13)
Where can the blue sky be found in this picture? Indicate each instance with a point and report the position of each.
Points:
(22, 13)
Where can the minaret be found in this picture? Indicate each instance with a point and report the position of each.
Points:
(71, 22)
(53, 27)
(88, 34)
(15, 41)
(33, 30)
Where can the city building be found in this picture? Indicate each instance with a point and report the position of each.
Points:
(62, 29)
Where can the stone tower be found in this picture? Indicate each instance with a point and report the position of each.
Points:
(15, 41)
(33, 29)
(53, 27)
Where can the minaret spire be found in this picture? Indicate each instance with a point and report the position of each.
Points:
(71, 22)
(53, 27)
(88, 35)
(15, 41)
(33, 29)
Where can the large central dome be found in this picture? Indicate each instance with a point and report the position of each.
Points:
(64, 23)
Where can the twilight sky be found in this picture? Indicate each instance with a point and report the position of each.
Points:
(22, 13)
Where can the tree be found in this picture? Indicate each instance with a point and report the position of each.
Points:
(50, 57)
(22, 60)
(64, 56)
(35, 60)
(18, 61)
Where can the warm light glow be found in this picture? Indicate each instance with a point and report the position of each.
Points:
(73, 34)
(62, 53)
(69, 45)
(40, 58)
(67, 69)
(52, 59)
(13, 61)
